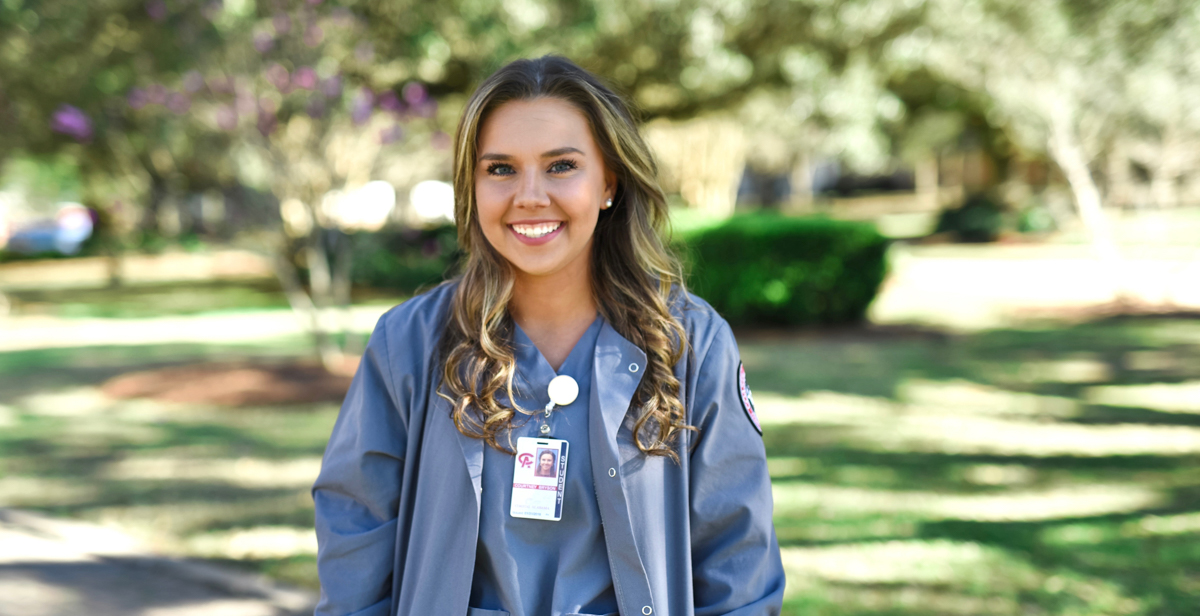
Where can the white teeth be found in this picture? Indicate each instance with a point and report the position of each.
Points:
(537, 230)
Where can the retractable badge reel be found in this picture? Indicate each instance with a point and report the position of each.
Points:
(540, 467)
(562, 389)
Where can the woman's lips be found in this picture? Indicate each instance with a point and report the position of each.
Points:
(538, 232)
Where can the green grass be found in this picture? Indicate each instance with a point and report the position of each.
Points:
(166, 299)
(151, 300)
(915, 473)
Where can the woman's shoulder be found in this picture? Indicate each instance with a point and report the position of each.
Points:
(703, 325)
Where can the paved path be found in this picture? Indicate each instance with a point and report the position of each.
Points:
(51, 567)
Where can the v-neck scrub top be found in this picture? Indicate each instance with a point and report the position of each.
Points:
(540, 567)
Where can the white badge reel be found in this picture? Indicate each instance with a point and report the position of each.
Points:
(563, 390)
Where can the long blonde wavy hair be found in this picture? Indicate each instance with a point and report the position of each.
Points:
(635, 277)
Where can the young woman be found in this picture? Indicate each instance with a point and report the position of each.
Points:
(568, 334)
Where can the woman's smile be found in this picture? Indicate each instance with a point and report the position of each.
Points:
(536, 233)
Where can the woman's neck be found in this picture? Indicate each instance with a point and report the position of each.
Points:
(554, 311)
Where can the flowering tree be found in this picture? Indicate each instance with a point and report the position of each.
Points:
(169, 95)
(310, 118)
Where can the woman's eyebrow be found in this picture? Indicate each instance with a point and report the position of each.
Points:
(550, 154)
(561, 151)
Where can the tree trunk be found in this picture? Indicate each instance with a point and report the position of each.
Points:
(343, 265)
(1068, 154)
(304, 307)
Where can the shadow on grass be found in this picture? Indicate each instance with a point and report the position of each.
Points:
(961, 520)
(1014, 472)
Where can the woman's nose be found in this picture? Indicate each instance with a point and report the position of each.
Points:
(531, 192)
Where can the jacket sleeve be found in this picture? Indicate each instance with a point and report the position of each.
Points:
(735, 555)
(357, 491)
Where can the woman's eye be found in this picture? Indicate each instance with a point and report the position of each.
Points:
(562, 166)
(499, 169)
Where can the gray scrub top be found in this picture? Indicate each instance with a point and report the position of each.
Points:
(538, 567)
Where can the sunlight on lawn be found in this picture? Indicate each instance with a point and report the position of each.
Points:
(1163, 397)
(969, 420)
(945, 577)
(794, 499)
(243, 472)
(256, 542)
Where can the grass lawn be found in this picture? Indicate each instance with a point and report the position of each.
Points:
(1049, 471)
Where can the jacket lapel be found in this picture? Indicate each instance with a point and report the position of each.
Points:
(472, 450)
(617, 372)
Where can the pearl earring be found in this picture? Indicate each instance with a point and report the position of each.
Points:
(608, 204)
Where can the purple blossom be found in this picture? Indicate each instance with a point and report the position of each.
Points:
(316, 107)
(263, 42)
(268, 104)
(212, 9)
(157, 10)
(221, 85)
(332, 87)
(73, 122)
(391, 134)
(244, 103)
(427, 109)
(282, 23)
(313, 35)
(227, 117)
(342, 16)
(360, 109)
(305, 78)
(364, 52)
(179, 103)
(388, 101)
(430, 249)
(277, 76)
(193, 81)
(156, 94)
(138, 98)
(266, 122)
(440, 140)
(415, 94)
(314, 2)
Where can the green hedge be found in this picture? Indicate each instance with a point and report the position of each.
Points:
(408, 260)
(776, 270)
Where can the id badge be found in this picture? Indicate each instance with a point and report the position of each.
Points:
(539, 478)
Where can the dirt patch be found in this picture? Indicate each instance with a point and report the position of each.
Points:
(232, 384)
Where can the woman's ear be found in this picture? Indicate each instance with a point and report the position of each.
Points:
(610, 185)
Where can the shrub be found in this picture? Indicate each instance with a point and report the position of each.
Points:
(407, 259)
(775, 270)
(979, 219)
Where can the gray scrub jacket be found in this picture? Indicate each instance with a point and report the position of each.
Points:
(397, 500)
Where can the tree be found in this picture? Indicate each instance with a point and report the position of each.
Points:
(1056, 75)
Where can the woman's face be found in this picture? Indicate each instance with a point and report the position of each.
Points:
(540, 182)
(546, 464)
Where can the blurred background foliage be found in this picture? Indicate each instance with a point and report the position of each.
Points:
(209, 119)
(239, 160)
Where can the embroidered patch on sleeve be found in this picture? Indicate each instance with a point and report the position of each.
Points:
(747, 398)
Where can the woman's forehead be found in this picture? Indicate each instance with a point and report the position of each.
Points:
(535, 127)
